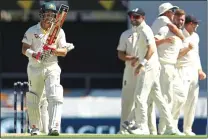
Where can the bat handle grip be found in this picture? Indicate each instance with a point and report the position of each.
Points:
(38, 56)
(46, 47)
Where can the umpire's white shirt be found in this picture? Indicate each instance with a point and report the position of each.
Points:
(161, 21)
(35, 37)
(168, 52)
(192, 57)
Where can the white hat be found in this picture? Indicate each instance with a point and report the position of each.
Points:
(165, 7)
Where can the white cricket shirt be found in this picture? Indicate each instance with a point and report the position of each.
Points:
(35, 37)
(168, 52)
(127, 43)
(146, 38)
(192, 57)
(161, 21)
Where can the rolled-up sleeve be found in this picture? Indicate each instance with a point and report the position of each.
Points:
(28, 37)
(62, 39)
(149, 37)
(122, 43)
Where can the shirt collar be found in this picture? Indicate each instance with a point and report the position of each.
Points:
(138, 28)
(186, 33)
(38, 26)
(142, 24)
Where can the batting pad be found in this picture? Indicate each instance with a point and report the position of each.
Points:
(54, 111)
(44, 115)
(33, 107)
(54, 95)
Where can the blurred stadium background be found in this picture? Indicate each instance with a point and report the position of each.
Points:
(91, 73)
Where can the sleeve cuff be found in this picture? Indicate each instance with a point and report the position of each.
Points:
(69, 46)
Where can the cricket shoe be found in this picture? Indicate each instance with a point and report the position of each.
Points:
(123, 131)
(53, 132)
(189, 133)
(138, 130)
(169, 131)
(153, 132)
(126, 126)
(133, 129)
(35, 131)
(178, 132)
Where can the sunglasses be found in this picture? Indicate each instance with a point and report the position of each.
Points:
(135, 16)
(173, 10)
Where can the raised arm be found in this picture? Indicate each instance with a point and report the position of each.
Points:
(62, 45)
(161, 38)
(173, 28)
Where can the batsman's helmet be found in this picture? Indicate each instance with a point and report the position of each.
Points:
(46, 7)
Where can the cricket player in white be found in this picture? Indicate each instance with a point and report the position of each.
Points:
(189, 69)
(171, 85)
(147, 80)
(127, 53)
(44, 73)
(165, 18)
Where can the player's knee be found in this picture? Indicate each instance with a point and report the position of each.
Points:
(32, 100)
(54, 93)
(44, 107)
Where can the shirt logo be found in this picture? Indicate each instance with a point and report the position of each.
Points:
(51, 6)
(125, 82)
(135, 10)
(130, 38)
(37, 36)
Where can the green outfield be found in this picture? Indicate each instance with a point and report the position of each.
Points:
(103, 136)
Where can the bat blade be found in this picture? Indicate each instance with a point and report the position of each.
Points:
(54, 31)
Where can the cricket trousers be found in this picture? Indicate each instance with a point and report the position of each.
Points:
(151, 116)
(148, 85)
(46, 77)
(167, 76)
(189, 75)
(173, 91)
(127, 95)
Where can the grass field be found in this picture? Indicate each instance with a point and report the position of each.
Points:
(101, 136)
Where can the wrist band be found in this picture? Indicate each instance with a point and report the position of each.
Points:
(29, 53)
(144, 62)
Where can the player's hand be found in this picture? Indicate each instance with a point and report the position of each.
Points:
(34, 55)
(129, 58)
(59, 52)
(139, 69)
(190, 46)
(170, 40)
(134, 61)
(202, 75)
(37, 56)
(54, 52)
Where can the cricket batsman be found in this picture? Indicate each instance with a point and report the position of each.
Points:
(43, 70)
(190, 69)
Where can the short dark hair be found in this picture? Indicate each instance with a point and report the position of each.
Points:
(190, 18)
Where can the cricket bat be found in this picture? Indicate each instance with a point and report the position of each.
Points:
(54, 31)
